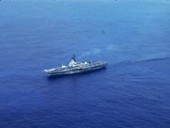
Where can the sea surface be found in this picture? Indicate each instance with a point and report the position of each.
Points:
(133, 36)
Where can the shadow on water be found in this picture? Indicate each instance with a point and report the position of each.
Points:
(51, 78)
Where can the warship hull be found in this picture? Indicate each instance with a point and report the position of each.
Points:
(78, 68)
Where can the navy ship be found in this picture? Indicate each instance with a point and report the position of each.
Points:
(76, 67)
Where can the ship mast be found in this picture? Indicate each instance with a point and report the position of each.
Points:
(74, 58)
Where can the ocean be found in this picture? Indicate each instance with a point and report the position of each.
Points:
(133, 36)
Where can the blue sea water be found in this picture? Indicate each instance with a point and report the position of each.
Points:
(133, 36)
